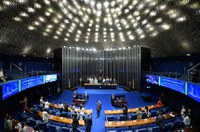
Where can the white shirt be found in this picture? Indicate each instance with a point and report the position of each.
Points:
(60, 105)
(25, 129)
(18, 126)
(82, 111)
(46, 105)
(45, 116)
(186, 120)
(1, 74)
(182, 111)
(41, 102)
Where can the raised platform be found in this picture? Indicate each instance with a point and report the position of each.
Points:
(100, 86)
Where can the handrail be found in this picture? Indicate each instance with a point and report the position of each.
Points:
(17, 67)
(193, 67)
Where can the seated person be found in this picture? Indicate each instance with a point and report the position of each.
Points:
(3, 78)
(61, 106)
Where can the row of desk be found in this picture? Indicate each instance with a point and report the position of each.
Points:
(132, 110)
(99, 86)
(57, 107)
(130, 123)
(60, 119)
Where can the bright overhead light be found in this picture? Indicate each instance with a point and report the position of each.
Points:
(165, 26)
(30, 9)
(48, 50)
(18, 19)
(36, 5)
(180, 19)
(45, 34)
(24, 14)
(31, 28)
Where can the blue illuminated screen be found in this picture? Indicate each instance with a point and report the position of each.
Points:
(50, 78)
(10, 89)
(173, 84)
(194, 91)
(31, 82)
(152, 79)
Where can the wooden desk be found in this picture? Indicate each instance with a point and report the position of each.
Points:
(56, 106)
(120, 103)
(58, 118)
(130, 123)
(132, 110)
(79, 101)
(186, 129)
(63, 119)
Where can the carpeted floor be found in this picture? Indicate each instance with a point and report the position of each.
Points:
(134, 100)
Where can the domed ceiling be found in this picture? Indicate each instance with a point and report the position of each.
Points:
(37, 27)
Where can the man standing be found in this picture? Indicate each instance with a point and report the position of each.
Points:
(160, 121)
(88, 123)
(75, 123)
(98, 108)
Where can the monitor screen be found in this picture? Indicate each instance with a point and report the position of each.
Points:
(194, 91)
(50, 78)
(172, 83)
(31, 82)
(10, 89)
(152, 79)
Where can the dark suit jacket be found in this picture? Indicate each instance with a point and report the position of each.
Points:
(88, 121)
(75, 122)
(160, 120)
(98, 106)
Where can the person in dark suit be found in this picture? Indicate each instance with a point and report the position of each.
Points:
(113, 99)
(160, 121)
(88, 123)
(125, 111)
(75, 123)
(98, 108)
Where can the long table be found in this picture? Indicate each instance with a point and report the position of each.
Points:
(100, 86)
(130, 123)
(132, 110)
(58, 118)
(57, 107)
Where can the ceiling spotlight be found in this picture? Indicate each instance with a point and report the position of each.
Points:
(31, 28)
(30, 9)
(165, 26)
(180, 19)
(48, 50)
(77, 48)
(18, 19)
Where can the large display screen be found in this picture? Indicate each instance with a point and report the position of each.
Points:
(174, 84)
(10, 89)
(194, 91)
(50, 78)
(152, 79)
(31, 82)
